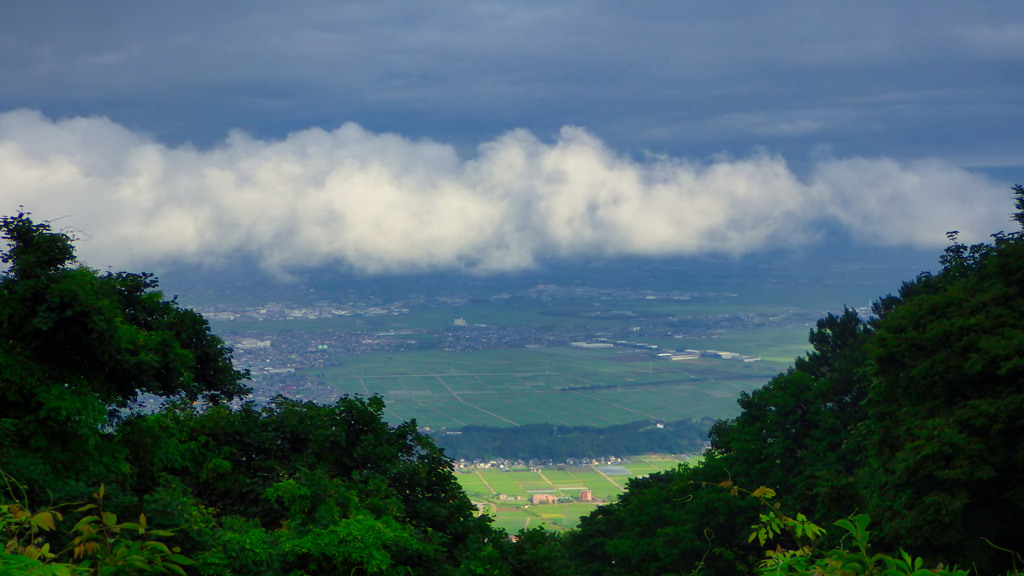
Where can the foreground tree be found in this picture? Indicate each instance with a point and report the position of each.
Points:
(793, 433)
(945, 408)
(285, 489)
(76, 346)
(915, 417)
(111, 335)
(669, 523)
(300, 486)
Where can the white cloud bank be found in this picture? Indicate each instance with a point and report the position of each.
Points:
(382, 203)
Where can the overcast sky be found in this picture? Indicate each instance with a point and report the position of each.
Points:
(396, 136)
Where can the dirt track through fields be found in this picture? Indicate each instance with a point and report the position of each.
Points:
(457, 397)
(607, 477)
(480, 476)
(545, 478)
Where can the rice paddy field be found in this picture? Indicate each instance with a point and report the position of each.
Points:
(557, 385)
(451, 379)
(505, 494)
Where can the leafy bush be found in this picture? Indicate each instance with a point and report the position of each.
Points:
(98, 543)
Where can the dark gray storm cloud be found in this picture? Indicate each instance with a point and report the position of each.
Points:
(682, 77)
(388, 136)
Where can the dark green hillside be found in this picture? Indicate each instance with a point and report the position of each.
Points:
(915, 418)
(293, 488)
(944, 436)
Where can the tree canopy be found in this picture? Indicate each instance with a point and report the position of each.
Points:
(112, 335)
(289, 488)
(78, 346)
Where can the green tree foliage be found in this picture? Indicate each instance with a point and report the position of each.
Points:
(97, 544)
(946, 408)
(538, 552)
(77, 345)
(793, 432)
(916, 417)
(110, 335)
(327, 484)
(291, 488)
(667, 523)
(792, 545)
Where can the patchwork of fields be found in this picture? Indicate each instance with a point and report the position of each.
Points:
(505, 360)
(499, 355)
(505, 495)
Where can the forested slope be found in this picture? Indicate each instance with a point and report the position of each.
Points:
(292, 488)
(914, 417)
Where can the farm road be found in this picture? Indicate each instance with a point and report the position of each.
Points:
(545, 478)
(457, 397)
(607, 477)
(481, 477)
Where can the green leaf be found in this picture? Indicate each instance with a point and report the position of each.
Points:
(86, 520)
(158, 546)
(180, 559)
(45, 521)
(862, 521)
(109, 519)
(845, 525)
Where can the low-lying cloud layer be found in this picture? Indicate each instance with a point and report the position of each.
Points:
(383, 203)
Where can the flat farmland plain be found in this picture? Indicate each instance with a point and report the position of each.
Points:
(506, 361)
(557, 385)
(505, 495)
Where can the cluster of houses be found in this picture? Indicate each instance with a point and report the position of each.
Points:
(463, 465)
